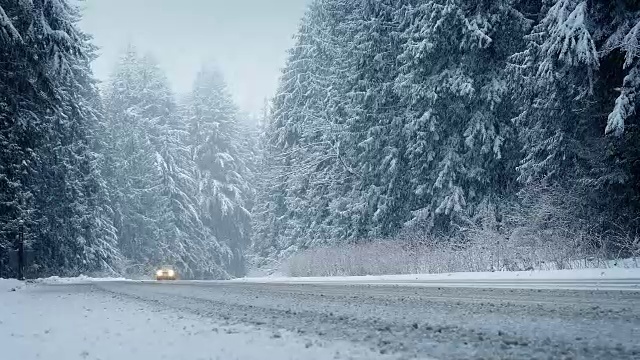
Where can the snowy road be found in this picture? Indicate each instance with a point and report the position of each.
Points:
(327, 321)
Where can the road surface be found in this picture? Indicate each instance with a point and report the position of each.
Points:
(415, 322)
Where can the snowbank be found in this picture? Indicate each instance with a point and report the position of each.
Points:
(82, 279)
(10, 285)
(575, 274)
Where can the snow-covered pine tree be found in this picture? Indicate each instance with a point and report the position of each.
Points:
(51, 112)
(461, 144)
(558, 68)
(334, 195)
(577, 81)
(156, 210)
(375, 124)
(20, 101)
(269, 207)
(132, 173)
(250, 145)
(89, 233)
(217, 150)
(307, 180)
(619, 175)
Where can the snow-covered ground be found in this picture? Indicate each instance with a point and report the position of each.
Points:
(575, 274)
(62, 322)
(610, 278)
(7, 285)
(82, 279)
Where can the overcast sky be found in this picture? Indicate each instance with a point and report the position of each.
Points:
(248, 39)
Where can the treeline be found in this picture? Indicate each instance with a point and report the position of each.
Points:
(392, 117)
(431, 116)
(118, 183)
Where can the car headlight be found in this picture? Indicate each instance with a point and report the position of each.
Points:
(159, 273)
(170, 273)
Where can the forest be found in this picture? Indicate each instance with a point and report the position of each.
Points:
(461, 125)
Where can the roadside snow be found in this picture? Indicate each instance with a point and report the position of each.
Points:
(576, 274)
(82, 279)
(10, 285)
(68, 322)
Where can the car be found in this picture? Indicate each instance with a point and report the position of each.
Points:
(166, 272)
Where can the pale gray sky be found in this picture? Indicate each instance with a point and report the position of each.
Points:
(248, 39)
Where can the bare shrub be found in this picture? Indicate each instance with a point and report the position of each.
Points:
(372, 258)
(628, 244)
(430, 257)
(542, 231)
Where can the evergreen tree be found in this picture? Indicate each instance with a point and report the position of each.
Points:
(577, 81)
(133, 174)
(462, 147)
(224, 193)
(20, 128)
(156, 179)
(50, 111)
(305, 176)
(376, 123)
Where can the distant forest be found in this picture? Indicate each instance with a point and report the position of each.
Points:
(396, 120)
